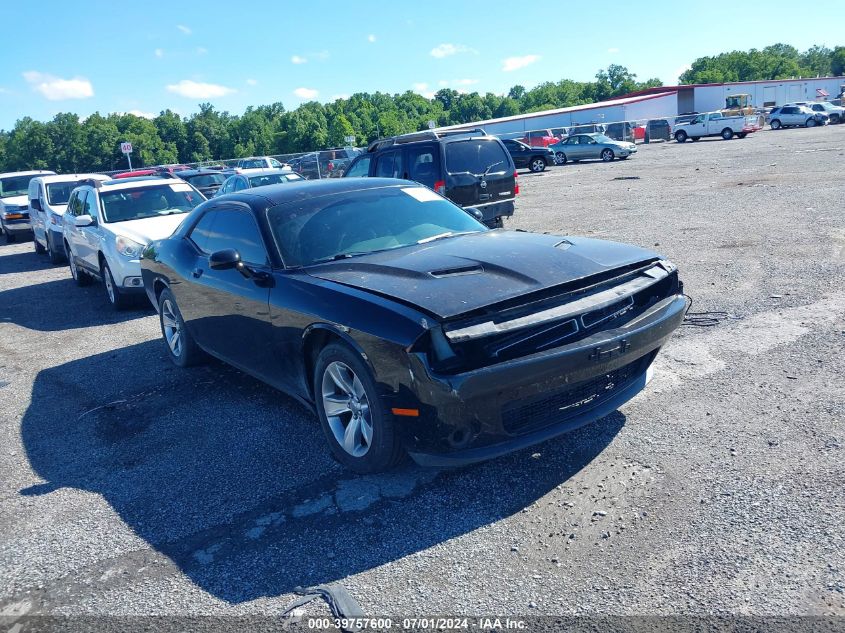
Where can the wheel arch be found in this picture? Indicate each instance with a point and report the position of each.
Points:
(315, 338)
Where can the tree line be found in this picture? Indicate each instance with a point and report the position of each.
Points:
(779, 61)
(68, 144)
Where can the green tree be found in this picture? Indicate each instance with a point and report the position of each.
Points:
(30, 145)
(339, 129)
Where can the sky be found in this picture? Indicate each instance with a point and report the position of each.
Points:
(142, 57)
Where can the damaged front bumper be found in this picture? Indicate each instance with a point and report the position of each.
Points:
(494, 410)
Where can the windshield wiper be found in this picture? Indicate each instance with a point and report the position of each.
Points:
(487, 171)
(440, 236)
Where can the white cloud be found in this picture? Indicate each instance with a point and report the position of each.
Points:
(56, 88)
(445, 50)
(612, 50)
(515, 63)
(296, 59)
(199, 90)
(420, 87)
(251, 82)
(201, 50)
(184, 29)
(371, 38)
(159, 53)
(306, 93)
(143, 115)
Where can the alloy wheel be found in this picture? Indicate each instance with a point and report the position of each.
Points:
(109, 282)
(607, 155)
(347, 409)
(171, 328)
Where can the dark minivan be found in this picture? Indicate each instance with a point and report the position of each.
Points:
(470, 168)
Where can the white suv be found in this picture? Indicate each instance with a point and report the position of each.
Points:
(48, 196)
(108, 224)
(261, 162)
(14, 206)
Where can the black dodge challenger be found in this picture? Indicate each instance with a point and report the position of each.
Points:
(405, 323)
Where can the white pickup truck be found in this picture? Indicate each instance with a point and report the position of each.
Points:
(716, 124)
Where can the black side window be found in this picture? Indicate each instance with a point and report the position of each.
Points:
(71, 205)
(361, 167)
(239, 184)
(80, 203)
(424, 165)
(202, 231)
(389, 165)
(237, 229)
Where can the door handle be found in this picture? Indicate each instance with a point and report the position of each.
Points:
(197, 273)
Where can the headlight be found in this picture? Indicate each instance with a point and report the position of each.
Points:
(128, 248)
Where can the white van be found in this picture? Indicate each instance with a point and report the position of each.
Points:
(14, 210)
(48, 196)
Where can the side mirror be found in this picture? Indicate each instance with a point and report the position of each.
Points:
(476, 213)
(225, 259)
(36, 204)
(83, 220)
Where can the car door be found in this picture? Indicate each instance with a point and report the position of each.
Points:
(228, 313)
(519, 153)
(91, 235)
(788, 115)
(389, 165)
(423, 164)
(73, 234)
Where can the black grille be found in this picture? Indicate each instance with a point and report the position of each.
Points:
(530, 414)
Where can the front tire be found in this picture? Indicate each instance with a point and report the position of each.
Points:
(810, 123)
(79, 276)
(742, 135)
(776, 124)
(607, 155)
(560, 158)
(681, 137)
(359, 429)
(727, 134)
(537, 165)
(53, 251)
(117, 299)
(181, 347)
(39, 250)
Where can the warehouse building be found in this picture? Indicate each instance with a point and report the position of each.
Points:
(663, 102)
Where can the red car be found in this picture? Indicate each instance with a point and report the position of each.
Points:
(539, 138)
(137, 172)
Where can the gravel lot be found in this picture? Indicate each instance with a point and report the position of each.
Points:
(132, 487)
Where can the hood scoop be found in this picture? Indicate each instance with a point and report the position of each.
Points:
(458, 271)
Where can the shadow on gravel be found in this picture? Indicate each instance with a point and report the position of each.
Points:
(232, 481)
(62, 305)
(23, 262)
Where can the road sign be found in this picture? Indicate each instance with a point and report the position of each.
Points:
(126, 148)
(431, 125)
(349, 140)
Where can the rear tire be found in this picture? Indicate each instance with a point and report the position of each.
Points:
(361, 431)
(10, 239)
(537, 165)
(727, 134)
(182, 350)
(56, 256)
(681, 136)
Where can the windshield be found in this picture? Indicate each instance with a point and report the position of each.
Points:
(59, 192)
(360, 222)
(272, 179)
(148, 202)
(476, 156)
(205, 180)
(14, 186)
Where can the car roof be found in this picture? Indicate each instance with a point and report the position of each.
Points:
(37, 172)
(309, 189)
(136, 183)
(197, 172)
(72, 178)
(261, 170)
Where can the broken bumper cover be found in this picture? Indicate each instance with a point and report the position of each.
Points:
(495, 410)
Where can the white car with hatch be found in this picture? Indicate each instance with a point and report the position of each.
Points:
(14, 206)
(48, 196)
(108, 224)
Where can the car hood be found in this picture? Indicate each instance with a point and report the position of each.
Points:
(146, 230)
(457, 275)
(58, 209)
(16, 201)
